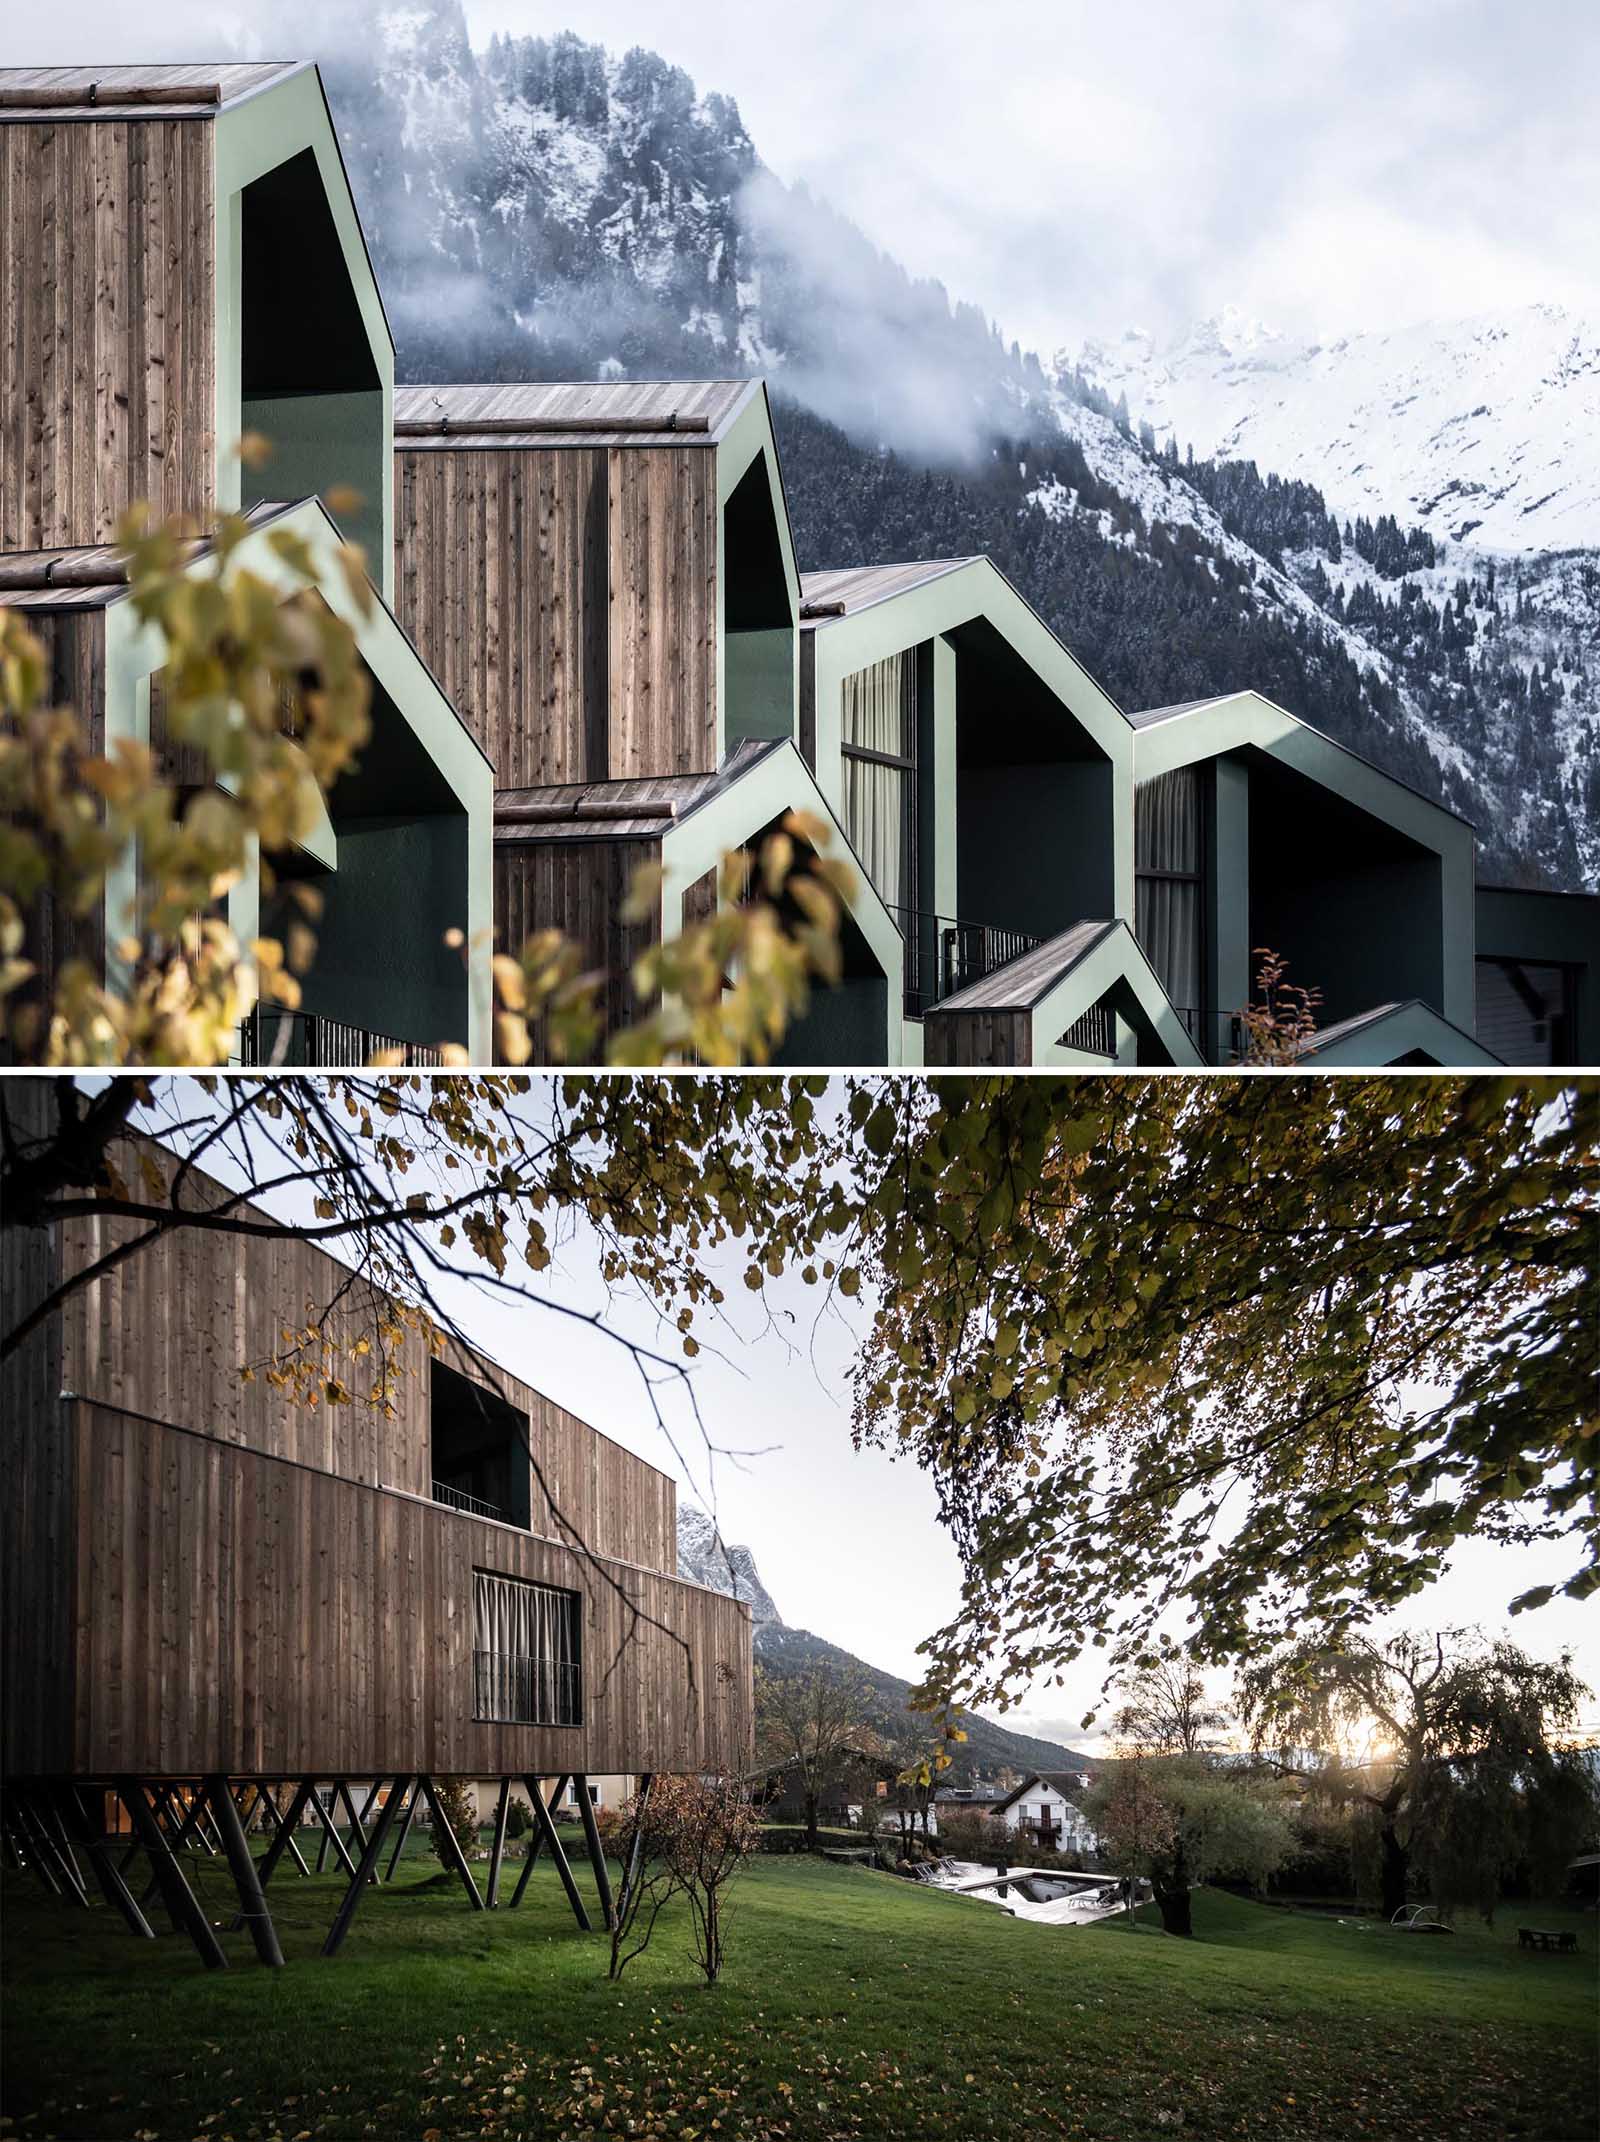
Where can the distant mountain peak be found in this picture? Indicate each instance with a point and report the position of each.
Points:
(1480, 428)
(704, 1558)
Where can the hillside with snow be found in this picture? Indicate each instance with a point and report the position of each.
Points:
(544, 209)
(1480, 430)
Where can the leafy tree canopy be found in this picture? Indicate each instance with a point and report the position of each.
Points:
(1259, 1350)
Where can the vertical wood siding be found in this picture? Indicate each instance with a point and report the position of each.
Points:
(500, 562)
(663, 562)
(977, 1037)
(166, 1334)
(578, 887)
(37, 1499)
(565, 598)
(241, 1613)
(107, 357)
(75, 646)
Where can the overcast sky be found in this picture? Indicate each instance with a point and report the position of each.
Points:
(1079, 168)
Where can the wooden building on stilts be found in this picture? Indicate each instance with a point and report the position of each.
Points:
(227, 1609)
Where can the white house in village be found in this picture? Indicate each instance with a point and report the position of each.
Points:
(1042, 1807)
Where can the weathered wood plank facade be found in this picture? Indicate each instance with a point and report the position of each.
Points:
(566, 599)
(107, 362)
(205, 1576)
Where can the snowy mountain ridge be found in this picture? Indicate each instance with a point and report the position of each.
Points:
(1480, 429)
(544, 209)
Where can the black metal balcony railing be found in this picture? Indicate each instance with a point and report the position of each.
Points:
(273, 1035)
(1219, 1036)
(527, 1691)
(473, 1505)
(1094, 1032)
(944, 955)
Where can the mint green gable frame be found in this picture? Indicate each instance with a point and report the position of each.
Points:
(758, 585)
(398, 877)
(326, 397)
(858, 1025)
(1397, 1035)
(1045, 856)
(1094, 968)
(1385, 904)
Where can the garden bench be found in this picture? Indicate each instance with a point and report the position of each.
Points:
(1540, 1937)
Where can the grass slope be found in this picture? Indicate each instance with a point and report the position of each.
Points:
(854, 2005)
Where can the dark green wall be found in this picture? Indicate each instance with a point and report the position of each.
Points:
(320, 441)
(1034, 844)
(1562, 928)
(843, 1027)
(381, 958)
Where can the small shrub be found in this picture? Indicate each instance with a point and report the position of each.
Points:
(519, 1820)
(455, 1804)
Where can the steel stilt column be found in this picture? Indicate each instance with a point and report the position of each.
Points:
(597, 1857)
(502, 1807)
(252, 1900)
(412, 1798)
(452, 1845)
(630, 1873)
(284, 1841)
(102, 1854)
(536, 1843)
(370, 1856)
(178, 1897)
(547, 1829)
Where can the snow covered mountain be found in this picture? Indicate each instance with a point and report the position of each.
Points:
(704, 1559)
(544, 209)
(1483, 429)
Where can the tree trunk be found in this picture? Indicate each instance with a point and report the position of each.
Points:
(1171, 1886)
(1396, 1867)
(1177, 1916)
(811, 1822)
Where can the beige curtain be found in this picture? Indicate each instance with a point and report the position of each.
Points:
(880, 714)
(1167, 917)
(880, 706)
(530, 1633)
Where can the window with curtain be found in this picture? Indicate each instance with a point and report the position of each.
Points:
(879, 742)
(1169, 889)
(526, 1652)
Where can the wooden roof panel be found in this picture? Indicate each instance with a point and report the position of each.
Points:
(574, 413)
(133, 92)
(857, 586)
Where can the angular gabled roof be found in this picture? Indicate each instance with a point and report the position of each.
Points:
(140, 92)
(87, 576)
(584, 412)
(1401, 1028)
(641, 809)
(1061, 1781)
(1021, 982)
(1253, 715)
(826, 596)
(1147, 717)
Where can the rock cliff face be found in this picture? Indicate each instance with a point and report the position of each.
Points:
(703, 1558)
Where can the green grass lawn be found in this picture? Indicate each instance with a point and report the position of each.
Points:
(853, 2004)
